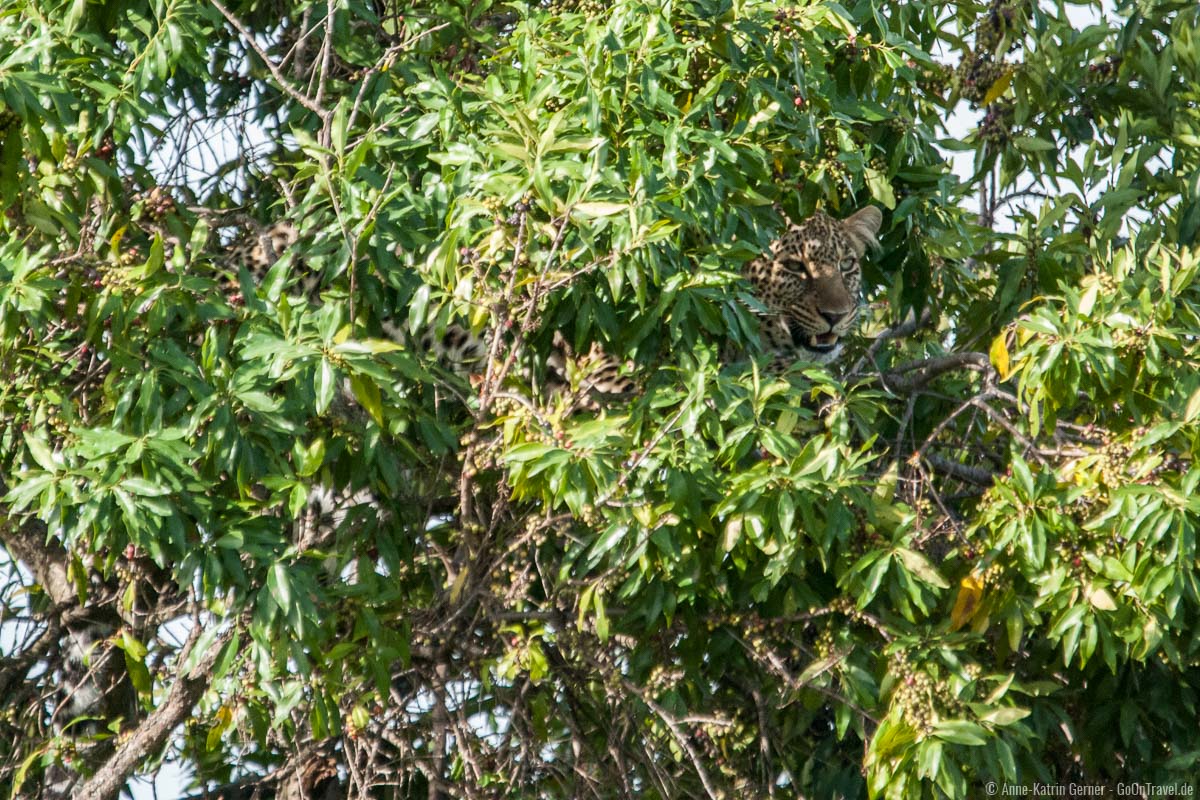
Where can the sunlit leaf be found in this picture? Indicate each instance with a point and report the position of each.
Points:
(967, 602)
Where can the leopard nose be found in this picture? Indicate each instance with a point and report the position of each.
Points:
(834, 317)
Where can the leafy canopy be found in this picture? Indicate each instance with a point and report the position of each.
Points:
(965, 553)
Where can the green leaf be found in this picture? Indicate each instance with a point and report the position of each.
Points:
(1034, 144)
(338, 126)
(41, 452)
(1069, 620)
(228, 657)
(593, 210)
(1193, 407)
(309, 459)
(326, 385)
(601, 618)
(367, 393)
(135, 662)
(1002, 717)
(279, 583)
(960, 732)
(881, 187)
(919, 565)
(155, 261)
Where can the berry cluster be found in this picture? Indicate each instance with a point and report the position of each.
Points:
(784, 21)
(106, 149)
(919, 698)
(1104, 71)
(1000, 24)
(851, 51)
(588, 8)
(157, 204)
(976, 74)
(997, 123)
(935, 79)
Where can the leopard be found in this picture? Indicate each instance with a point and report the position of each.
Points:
(807, 286)
(808, 282)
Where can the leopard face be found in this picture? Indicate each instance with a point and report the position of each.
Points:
(810, 281)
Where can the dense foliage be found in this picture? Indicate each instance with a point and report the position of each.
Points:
(965, 553)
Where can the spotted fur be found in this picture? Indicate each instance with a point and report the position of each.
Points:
(259, 250)
(456, 347)
(810, 282)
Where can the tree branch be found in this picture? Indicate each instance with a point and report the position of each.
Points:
(918, 374)
(150, 736)
(965, 472)
(26, 541)
(681, 738)
(906, 328)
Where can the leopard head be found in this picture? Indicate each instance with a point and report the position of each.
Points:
(810, 282)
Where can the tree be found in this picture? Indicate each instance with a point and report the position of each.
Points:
(262, 535)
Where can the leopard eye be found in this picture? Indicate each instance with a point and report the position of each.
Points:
(796, 266)
(848, 265)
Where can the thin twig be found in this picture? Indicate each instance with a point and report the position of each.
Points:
(275, 73)
(681, 739)
(905, 328)
(326, 63)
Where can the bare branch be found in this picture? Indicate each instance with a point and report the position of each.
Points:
(918, 374)
(966, 472)
(248, 37)
(681, 738)
(906, 328)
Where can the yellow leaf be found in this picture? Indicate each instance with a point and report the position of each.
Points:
(999, 356)
(456, 588)
(1100, 598)
(115, 241)
(998, 88)
(970, 593)
(222, 723)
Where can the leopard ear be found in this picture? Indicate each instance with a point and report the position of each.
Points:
(863, 226)
(282, 235)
